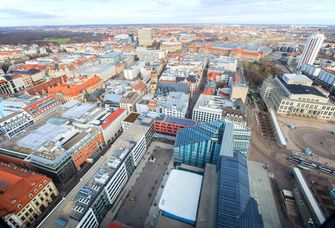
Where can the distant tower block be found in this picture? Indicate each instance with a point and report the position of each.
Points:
(311, 49)
(145, 37)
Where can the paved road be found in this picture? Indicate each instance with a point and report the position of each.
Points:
(266, 152)
(135, 209)
(200, 89)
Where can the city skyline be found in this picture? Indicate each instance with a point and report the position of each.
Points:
(51, 12)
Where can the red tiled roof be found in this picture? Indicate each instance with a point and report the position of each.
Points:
(212, 75)
(75, 89)
(35, 106)
(45, 86)
(208, 91)
(112, 117)
(18, 184)
(139, 86)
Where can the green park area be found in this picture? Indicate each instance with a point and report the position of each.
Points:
(60, 40)
(256, 72)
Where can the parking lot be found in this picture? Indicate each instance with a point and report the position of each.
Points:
(135, 208)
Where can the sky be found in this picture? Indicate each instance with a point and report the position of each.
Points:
(73, 12)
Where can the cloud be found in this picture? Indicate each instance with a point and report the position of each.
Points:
(8, 13)
(167, 11)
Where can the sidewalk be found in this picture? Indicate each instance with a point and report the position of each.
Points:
(153, 215)
(131, 182)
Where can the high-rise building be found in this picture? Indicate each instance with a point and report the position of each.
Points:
(235, 206)
(145, 37)
(311, 49)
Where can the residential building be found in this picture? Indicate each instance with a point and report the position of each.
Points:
(16, 104)
(15, 81)
(171, 125)
(239, 91)
(129, 120)
(111, 124)
(5, 87)
(149, 55)
(112, 58)
(311, 49)
(44, 87)
(174, 104)
(171, 46)
(14, 124)
(24, 195)
(133, 72)
(129, 100)
(310, 70)
(145, 37)
(91, 199)
(140, 88)
(59, 145)
(27, 80)
(210, 108)
(293, 95)
(327, 77)
(76, 88)
(43, 107)
(227, 63)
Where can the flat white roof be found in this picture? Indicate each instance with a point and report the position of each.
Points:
(277, 127)
(315, 207)
(181, 194)
(299, 77)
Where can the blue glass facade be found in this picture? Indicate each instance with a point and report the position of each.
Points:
(206, 141)
(235, 207)
(200, 144)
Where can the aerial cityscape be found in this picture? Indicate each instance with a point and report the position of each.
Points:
(160, 114)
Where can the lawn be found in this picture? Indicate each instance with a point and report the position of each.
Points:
(60, 40)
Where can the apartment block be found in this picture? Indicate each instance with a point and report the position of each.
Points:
(25, 195)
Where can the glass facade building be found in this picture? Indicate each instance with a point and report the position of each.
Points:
(206, 141)
(235, 207)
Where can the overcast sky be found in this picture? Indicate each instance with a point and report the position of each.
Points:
(60, 12)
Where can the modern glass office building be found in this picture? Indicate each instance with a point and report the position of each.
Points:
(204, 142)
(235, 207)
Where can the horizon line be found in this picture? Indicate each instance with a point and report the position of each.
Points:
(146, 24)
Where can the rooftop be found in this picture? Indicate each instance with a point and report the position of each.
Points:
(213, 103)
(49, 140)
(207, 206)
(181, 195)
(180, 121)
(76, 86)
(263, 194)
(16, 185)
(301, 89)
(92, 184)
(132, 117)
(295, 77)
(174, 99)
